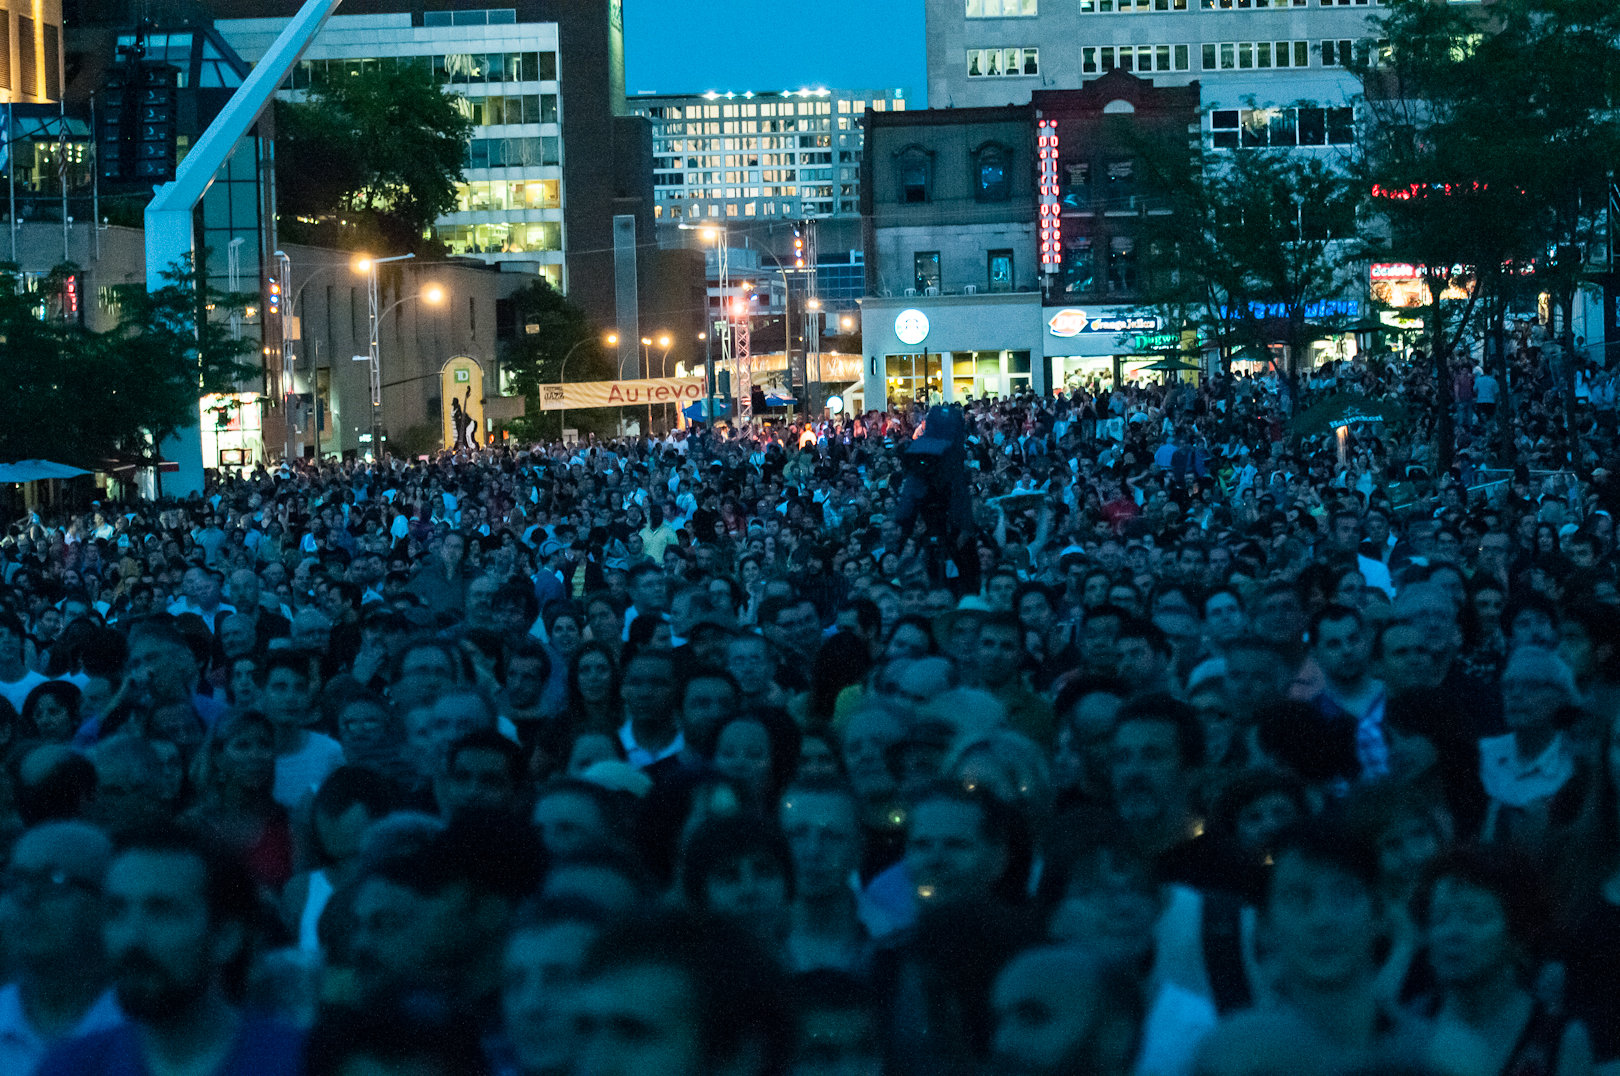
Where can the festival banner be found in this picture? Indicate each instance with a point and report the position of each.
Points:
(630, 393)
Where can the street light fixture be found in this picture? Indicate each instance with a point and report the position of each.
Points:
(716, 235)
(368, 266)
(562, 373)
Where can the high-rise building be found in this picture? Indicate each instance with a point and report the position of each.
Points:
(505, 74)
(1256, 60)
(742, 157)
(554, 157)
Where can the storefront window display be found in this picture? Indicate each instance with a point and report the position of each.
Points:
(913, 377)
(976, 375)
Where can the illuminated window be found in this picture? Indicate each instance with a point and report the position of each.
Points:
(991, 168)
(1001, 9)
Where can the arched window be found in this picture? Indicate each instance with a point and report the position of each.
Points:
(916, 175)
(992, 173)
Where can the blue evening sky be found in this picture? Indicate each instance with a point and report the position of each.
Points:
(693, 46)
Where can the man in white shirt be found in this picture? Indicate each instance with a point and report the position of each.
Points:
(16, 678)
(203, 594)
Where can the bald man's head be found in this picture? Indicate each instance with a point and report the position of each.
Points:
(51, 908)
(80, 849)
(244, 589)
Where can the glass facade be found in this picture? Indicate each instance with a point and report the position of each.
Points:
(795, 155)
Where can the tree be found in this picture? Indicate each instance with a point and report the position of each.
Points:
(1257, 239)
(371, 159)
(551, 332)
(1490, 137)
(81, 397)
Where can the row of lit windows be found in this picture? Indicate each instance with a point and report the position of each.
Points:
(501, 194)
(742, 160)
(515, 108)
(993, 63)
(701, 194)
(500, 238)
(737, 111)
(768, 175)
(455, 69)
(1135, 58)
(711, 145)
(748, 209)
(715, 127)
(766, 109)
(729, 160)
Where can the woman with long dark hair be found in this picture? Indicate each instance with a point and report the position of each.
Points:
(593, 689)
(236, 776)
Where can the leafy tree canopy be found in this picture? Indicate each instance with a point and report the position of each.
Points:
(82, 398)
(551, 332)
(369, 160)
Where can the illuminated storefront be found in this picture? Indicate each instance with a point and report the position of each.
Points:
(1096, 347)
(951, 348)
(231, 432)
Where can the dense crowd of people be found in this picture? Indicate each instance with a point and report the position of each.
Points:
(1113, 732)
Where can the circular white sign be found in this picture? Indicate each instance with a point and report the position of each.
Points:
(911, 326)
(835, 404)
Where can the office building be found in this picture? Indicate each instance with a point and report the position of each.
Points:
(736, 158)
(1255, 60)
(554, 158)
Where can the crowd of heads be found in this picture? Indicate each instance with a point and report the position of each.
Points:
(1190, 747)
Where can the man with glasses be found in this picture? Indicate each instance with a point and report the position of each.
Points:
(50, 920)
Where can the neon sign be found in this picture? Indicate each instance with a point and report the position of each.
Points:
(1051, 230)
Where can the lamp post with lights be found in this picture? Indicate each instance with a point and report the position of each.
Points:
(723, 326)
(433, 294)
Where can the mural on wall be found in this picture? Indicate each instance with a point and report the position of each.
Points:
(461, 384)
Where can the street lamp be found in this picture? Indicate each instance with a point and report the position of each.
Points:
(368, 266)
(562, 373)
(717, 235)
(290, 311)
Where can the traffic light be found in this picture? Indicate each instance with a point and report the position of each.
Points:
(798, 246)
(272, 291)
